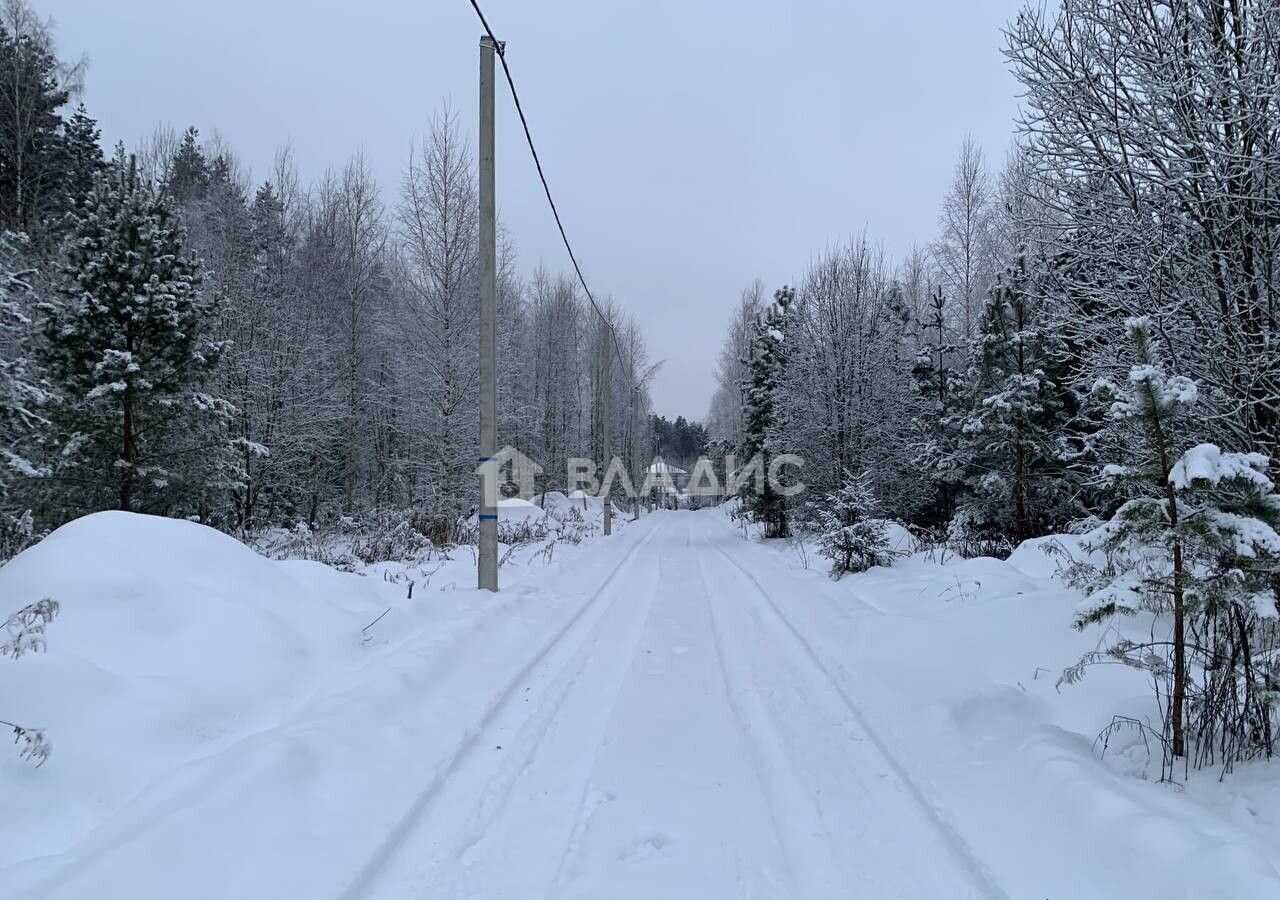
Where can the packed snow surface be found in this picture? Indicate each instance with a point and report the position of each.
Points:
(673, 712)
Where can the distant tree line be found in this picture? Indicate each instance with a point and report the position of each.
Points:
(679, 442)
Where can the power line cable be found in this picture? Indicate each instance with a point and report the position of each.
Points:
(502, 58)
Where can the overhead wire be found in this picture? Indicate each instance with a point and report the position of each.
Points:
(546, 188)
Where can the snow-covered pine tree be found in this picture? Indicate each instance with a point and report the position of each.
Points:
(127, 350)
(1197, 545)
(21, 397)
(1018, 404)
(847, 533)
(762, 412)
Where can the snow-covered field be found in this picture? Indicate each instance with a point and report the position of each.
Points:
(672, 712)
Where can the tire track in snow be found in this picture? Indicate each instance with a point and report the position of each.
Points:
(608, 631)
(969, 862)
(685, 813)
(369, 873)
(757, 749)
(585, 808)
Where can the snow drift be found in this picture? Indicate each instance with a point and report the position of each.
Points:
(174, 641)
(225, 725)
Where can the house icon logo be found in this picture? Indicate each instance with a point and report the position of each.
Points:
(508, 466)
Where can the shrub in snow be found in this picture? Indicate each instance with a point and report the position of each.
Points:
(347, 543)
(570, 525)
(392, 536)
(1197, 546)
(523, 531)
(23, 632)
(973, 531)
(847, 533)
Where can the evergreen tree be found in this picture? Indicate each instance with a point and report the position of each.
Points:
(680, 442)
(127, 348)
(82, 153)
(848, 535)
(188, 180)
(1019, 405)
(21, 396)
(763, 412)
(1198, 545)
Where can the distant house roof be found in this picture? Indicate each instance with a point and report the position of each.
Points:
(658, 467)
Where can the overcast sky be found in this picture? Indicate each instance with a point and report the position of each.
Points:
(693, 145)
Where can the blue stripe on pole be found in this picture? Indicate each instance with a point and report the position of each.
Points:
(485, 459)
(493, 516)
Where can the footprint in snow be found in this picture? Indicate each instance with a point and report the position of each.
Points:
(646, 846)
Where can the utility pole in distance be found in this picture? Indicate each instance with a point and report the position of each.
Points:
(606, 416)
(488, 513)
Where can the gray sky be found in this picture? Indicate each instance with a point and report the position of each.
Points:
(692, 146)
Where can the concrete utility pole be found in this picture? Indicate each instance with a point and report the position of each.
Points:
(488, 514)
(635, 441)
(606, 417)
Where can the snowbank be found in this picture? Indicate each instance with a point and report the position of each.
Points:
(513, 510)
(900, 540)
(173, 642)
(550, 509)
(958, 665)
(225, 725)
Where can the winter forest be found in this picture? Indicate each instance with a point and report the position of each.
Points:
(988, 573)
(1089, 338)
(181, 341)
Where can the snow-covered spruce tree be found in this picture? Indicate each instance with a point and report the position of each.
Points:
(82, 156)
(188, 175)
(847, 533)
(762, 412)
(21, 398)
(126, 348)
(1018, 404)
(1197, 546)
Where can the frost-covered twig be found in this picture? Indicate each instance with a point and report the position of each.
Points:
(35, 745)
(24, 630)
(24, 633)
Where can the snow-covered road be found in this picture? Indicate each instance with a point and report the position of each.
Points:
(678, 739)
(670, 713)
